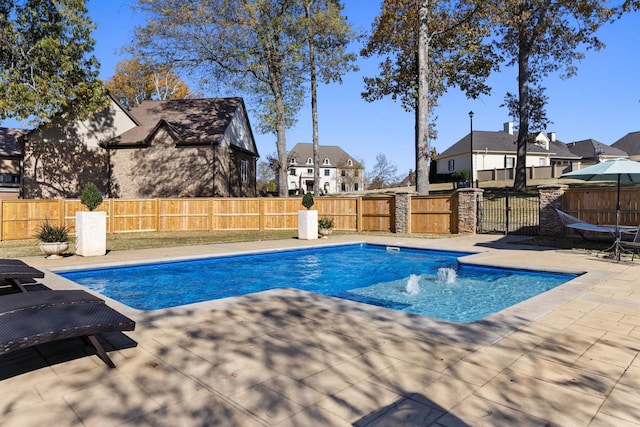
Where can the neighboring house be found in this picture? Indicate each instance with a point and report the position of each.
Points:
(495, 150)
(185, 148)
(176, 148)
(592, 151)
(339, 172)
(630, 143)
(10, 159)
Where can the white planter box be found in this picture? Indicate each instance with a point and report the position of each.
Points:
(307, 225)
(91, 233)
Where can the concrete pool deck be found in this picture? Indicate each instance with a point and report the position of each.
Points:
(288, 358)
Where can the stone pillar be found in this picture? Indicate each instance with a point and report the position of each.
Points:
(470, 201)
(403, 213)
(551, 197)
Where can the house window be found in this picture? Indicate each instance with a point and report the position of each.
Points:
(309, 171)
(355, 187)
(309, 161)
(244, 171)
(343, 186)
(509, 162)
(451, 165)
(292, 171)
(325, 162)
(356, 173)
(349, 162)
(292, 161)
(344, 173)
(327, 172)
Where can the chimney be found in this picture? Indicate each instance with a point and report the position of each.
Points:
(552, 136)
(508, 127)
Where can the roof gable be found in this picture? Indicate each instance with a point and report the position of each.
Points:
(630, 143)
(590, 148)
(9, 141)
(337, 156)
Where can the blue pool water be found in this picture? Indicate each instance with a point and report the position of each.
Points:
(425, 282)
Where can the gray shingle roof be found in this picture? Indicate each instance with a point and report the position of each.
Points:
(492, 141)
(630, 143)
(336, 155)
(590, 148)
(9, 145)
(190, 121)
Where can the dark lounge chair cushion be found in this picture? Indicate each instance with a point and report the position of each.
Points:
(35, 299)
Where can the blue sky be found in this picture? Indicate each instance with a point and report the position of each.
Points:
(602, 102)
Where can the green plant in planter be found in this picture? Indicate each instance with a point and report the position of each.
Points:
(307, 200)
(325, 222)
(91, 196)
(49, 233)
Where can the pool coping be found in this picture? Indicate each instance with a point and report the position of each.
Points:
(485, 331)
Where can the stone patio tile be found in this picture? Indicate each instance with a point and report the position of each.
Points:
(53, 412)
(110, 404)
(520, 341)
(564, 375)
(633, 319)
(611, 354)
(433, 356)
(605, 420)
(494, 357)
(623, 403)
(232, 377)
(580, 305)
(631, 377)
(314, 416)
(24, 368)
(605, 325)
(446, 392)
(294, 390)
(17, 397)
(607, 312)
(478, 412)
(541, 399)
(579, 330)
(471, 372)
(407, 412)
(599, 367)
(563, 349)
(266, 404)
(205, 410)
(358, 401)
(557, 320)
(341, 345)
(405, 378)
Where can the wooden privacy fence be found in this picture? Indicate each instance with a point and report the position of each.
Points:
(598, 205)
(21, 218)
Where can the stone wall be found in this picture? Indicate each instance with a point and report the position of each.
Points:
(469, 205)
(403, 212)
(551, 197)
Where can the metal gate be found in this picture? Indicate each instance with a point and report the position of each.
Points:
(508, 212)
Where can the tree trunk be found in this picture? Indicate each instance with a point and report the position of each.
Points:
(520, 181)
(281, 130)
(314, 106)
(422, 116)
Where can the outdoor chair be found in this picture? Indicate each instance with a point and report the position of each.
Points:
(632, 246)
(28, 319)
(12, 270)
(581, 226)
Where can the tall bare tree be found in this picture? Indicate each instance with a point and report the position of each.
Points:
(541, 37)
(248, 46)
(328, 35)
(425, 50)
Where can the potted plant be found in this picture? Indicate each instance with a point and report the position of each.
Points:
(91, 226)
(325, 226)
(307, 219)
(54, 239)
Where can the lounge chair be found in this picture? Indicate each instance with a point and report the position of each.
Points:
(12, 270)
(582, 226)
(28, 319)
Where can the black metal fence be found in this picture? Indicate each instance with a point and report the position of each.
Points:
(507, 212)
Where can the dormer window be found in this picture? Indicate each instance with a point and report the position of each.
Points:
(292, 161)
(326, 162)
(349, 162)
(309, 161)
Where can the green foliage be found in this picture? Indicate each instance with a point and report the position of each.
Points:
(91, 196)
(325, 222)
(49, 233)
(307, 200)
(45, 62)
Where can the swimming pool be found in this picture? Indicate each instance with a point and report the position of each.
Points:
(425, 282)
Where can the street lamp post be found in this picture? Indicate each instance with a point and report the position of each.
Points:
(471, 150)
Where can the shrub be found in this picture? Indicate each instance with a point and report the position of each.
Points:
(49, 233)
(91, 196)
(325, 222)
(307, 200)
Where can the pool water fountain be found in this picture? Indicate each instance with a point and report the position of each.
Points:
(413, 287)
(447, 275)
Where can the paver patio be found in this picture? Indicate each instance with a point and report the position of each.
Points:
(568, 357)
